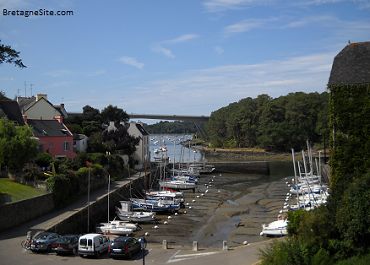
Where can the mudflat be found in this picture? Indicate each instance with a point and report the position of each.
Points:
(225, 206)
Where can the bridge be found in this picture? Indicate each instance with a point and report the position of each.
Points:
(169, 117)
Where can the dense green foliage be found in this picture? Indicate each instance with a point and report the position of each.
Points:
(166, 127)
(16, 145)
(92, 123)
(68, 179)
(280, 123)
(339, 232)
(67, 187)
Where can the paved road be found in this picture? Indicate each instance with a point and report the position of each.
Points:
(11, 253)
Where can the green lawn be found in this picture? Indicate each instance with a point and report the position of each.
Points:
(17, 191)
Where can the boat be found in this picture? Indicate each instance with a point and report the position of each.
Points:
(177, 185)
(275, 228)
(202, 168)
(154, 205)
(175, 196)
(187, 178)
(126, 214)
(116, 227)
(136, 217)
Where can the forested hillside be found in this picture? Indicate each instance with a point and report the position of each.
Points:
(167, 127)
(275, 123)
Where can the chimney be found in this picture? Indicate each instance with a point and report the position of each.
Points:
(59, 118)
(39, 96)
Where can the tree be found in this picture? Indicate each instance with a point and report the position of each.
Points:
(9, 55)
(2, 96)
(119, 140)
(112, 113)
(90, 114)
(17, 146)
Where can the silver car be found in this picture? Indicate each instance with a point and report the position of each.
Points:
(44, 241)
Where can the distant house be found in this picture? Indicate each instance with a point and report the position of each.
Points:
(38, 108)
(46, 121)
(54, 137)
(80, 142)
(141, 154)
(9, 110)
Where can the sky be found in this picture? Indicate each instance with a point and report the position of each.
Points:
(181, 57)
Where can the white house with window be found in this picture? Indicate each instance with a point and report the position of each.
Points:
(142, 154)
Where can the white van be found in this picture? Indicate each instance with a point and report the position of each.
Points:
(92, 245)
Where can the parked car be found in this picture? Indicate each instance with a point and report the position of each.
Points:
(124, 247)
(44, 241)
(92, 245)
(67, 244)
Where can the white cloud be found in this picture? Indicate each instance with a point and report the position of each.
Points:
(131, 62)
(219, 50)
(181, 38)
(199, 92)
(310, 20)
(225, 5)
(162, 50)
(243, 26)
(161, 47)
(222, 5)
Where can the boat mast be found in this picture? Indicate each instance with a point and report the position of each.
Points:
(295, 177)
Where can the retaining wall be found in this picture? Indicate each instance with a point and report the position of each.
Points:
(258, 167)
(76, 223)
(16, 213)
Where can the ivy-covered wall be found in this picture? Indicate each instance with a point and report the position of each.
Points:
(350, 135)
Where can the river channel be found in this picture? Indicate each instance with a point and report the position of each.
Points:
(225, 206)
(175, 150)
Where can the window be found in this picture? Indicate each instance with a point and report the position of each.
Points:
(83, 242)
(66, 146)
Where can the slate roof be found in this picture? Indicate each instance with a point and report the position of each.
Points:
(10, 109)
(141, 129)
(25, 102)
(48, 128)
(351, 65)
(61, 109)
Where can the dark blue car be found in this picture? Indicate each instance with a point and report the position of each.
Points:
(124, 247)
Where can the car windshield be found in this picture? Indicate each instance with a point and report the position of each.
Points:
(120, 239)
(65, 239)
(83, 242)
(43, 236)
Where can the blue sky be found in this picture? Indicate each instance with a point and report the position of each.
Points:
(176, 56)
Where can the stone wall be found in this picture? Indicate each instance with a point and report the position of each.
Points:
(19, 212)
(76, 223)
(258, 167)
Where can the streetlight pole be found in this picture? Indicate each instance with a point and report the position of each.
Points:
(108, 154)
(88, 201)
(143, 246)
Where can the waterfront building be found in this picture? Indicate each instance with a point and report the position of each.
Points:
(141, 155)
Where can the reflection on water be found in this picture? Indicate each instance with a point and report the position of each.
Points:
(175, 150)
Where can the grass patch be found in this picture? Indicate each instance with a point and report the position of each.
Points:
(17, 191)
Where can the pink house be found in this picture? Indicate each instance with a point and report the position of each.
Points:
(54, 137)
